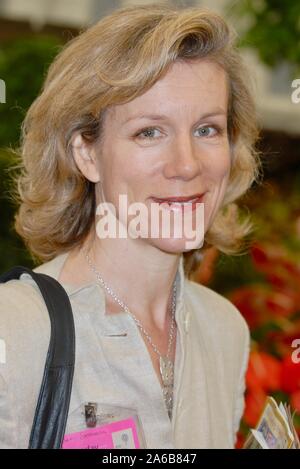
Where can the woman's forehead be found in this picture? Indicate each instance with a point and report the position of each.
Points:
(185, 88)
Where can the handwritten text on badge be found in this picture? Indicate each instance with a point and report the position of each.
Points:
(115, 435)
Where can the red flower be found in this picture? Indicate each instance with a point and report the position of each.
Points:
(295, 400)
(254, 404)
(282, 303)
(240, 440)
(261, 256)
(290, 375)
(280, 271)
(264, 372)
(250, 301)
(259, 304)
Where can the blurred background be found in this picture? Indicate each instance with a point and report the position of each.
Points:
(264, 283)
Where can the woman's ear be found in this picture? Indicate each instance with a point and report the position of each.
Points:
(85, 158)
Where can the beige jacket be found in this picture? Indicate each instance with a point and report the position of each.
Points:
(113, 365)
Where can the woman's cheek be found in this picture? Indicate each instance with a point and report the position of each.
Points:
(219, 171)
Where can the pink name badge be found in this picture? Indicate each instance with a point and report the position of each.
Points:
(115, 435)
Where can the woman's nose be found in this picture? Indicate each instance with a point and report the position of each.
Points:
(183, 159)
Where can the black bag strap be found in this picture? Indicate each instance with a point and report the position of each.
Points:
(52, 409)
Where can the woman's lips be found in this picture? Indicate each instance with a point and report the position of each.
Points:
(180, 203)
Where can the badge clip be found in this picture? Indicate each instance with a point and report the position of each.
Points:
(90, 411)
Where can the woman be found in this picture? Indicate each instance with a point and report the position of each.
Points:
(151, 103)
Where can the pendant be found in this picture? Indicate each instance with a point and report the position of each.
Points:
(168, 398)
(167, 376)
(166, 370)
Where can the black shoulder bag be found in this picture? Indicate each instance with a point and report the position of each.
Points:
(52, 409)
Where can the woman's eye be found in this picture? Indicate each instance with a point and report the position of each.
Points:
(147, 133)
(208, 131)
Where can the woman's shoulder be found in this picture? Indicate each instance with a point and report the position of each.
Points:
(23, 294)
(24, 319)
(23, 313)
(17, 294)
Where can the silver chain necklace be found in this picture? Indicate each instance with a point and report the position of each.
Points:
(166, 365)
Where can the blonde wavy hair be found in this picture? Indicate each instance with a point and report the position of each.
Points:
(112, 62)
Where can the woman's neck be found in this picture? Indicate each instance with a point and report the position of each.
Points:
(140, 275)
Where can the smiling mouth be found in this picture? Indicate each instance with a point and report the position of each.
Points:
(179, 201)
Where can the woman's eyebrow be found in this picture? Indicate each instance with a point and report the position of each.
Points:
(214, 112)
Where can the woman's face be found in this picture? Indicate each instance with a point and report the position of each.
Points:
(169, 142)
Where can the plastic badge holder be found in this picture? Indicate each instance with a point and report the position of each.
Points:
(101, 426)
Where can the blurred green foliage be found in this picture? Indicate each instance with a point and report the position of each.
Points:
(23, 65)
(12, 251)
(273, 30)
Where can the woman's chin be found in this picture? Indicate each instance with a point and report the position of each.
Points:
(177, 245)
